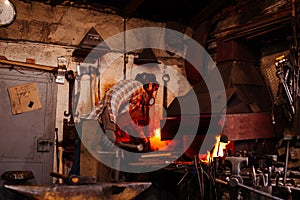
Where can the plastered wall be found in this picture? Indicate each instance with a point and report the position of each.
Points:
(44, 33)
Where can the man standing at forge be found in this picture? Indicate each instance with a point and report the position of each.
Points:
(126, 105)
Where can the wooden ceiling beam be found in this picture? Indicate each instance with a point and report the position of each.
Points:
(131, 8)
(258, 26)
(207, 12)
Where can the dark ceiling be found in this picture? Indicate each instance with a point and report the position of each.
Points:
(184, 11)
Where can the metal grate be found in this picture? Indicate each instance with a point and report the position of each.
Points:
(268, 70)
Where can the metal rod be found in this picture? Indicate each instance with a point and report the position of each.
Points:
(287, 149)
(220, 181)
(155, 155)
(199, 178)
(56, 149)
(183, 177)
(290, 98)
(124, 53)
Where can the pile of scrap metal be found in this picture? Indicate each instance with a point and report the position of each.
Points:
(249, 175)
(243, 175)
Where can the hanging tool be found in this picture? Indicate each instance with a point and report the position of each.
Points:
(282, 71)
(69, 131)
(71, 140)
(166, 79)
(57, 150)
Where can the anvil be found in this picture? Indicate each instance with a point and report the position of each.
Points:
(98, 191)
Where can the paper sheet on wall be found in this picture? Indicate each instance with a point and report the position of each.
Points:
(24, 98)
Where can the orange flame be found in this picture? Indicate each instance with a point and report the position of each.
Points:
(218, 150)
(155, 141)
(206, 158)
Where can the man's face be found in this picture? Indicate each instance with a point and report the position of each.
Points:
(139, 111)
(151, 90)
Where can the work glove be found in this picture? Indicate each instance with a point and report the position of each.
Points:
(108, 140)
